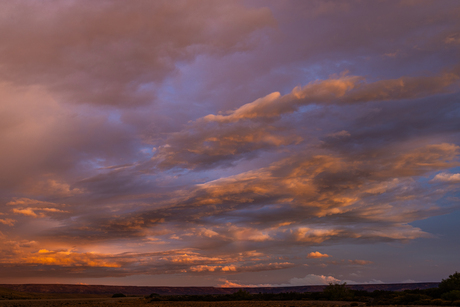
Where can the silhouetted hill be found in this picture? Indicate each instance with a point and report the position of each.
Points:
(133, 290)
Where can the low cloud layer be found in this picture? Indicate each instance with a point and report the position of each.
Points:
(244, 143)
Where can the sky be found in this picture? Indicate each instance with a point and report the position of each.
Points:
(229, 143)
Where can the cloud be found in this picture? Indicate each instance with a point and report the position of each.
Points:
(312, 279)
(238, 269)
(360, 262)
(27, 211)
(453, 39)
(299, 200)
(220, 140)
(228, 138)
(229, 284)
(127, 264)
(118, 54)
(52, 187)
(342, 89)
(68, 259)
(342, 133)
(28, 201)
(8, 222)
(65, 142)
(43, 208)
(446, 177)
(308, 280)
(317, 255)
(32, 211)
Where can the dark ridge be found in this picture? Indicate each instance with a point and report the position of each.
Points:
(134, 290)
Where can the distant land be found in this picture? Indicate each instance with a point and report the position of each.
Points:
(135, 290)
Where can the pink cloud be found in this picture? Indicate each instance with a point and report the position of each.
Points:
(446, 177)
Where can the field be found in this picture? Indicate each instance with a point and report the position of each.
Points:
(140, 301)
(10, 298)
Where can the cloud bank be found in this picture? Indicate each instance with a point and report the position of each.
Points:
(242, 143)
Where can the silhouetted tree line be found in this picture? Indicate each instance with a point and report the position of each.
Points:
(446, 294)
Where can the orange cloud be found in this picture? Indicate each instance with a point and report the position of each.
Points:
(324, 186)
(32, 211)
(232, 268)
(67, 259)
(27, 211)
(336, 90)
(426, 158)
(8, 222)
(229, 284)
(192, 258)
(249, 110)
(28, 201)
(317, 255)
(304, 234)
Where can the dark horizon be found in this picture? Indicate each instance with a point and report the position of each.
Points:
(195, 290)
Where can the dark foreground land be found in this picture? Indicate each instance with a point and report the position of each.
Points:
(133, 290)
(140, 301)
(239, 298)
(446, 293)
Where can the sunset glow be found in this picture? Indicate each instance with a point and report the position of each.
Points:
(229, 143)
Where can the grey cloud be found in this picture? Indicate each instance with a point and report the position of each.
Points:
(221, 140)
(446, 177)
(302, 200)
(110, 54)
(314, 42)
